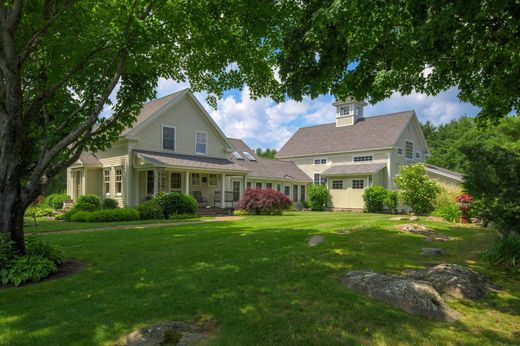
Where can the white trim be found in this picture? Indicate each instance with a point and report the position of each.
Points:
(206, 144)
(333, 153)
(174, 138)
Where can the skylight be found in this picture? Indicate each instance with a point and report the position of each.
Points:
(249, 156)
(237, 155)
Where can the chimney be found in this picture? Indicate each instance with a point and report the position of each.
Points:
(348, 112)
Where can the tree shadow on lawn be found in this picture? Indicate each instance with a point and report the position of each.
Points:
(260, 286)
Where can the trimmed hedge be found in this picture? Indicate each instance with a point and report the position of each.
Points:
(55, 201)
(109, 203)
(264, 202)
(173, 203)
(150, 210)
(106, 215)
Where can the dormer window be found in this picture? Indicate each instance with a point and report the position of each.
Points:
(344, 110)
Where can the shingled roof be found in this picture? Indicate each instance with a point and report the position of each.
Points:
(374, 132)
(266, 168)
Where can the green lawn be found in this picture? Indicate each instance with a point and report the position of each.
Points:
(257, 281)
(48, 224)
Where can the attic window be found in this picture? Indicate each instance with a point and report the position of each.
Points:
(249, 156)
(417, 155)
(237, 155)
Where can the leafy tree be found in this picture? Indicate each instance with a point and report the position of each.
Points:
(61, 60)
(416, 190)
(445, 142)
(371, 49)
(267, 153)
(492, 172)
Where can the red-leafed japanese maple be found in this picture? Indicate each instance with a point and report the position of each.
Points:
(264, 202)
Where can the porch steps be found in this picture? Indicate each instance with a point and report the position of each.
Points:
(214, 211)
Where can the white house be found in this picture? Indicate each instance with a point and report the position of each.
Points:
(176, 146)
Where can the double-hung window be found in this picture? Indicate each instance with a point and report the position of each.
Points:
(168, 138)
(302, 193)
(119, 181)
(201, 139)
(212, 180)
(175, 181)
(195, 179)
(258, 186)
(106, 181)
(268, 185)
(409, 150)
(417, 155)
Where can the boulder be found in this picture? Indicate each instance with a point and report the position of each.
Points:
(454, 281)
(414, 297)
(432, 251)
(435, 219)
(428, 233)
(414, 218)
(165, 333)
(315, 240)
(398, 218)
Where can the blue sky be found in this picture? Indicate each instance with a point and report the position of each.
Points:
(263, 123)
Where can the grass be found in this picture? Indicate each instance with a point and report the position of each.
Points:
(47, 224)
(257, 281)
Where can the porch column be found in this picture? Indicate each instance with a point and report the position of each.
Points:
(155, 181)
(187, 183)
(223, 192)
(137, 185)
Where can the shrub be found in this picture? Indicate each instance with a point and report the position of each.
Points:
(318, 197)
(176, 203)
(264, 202)
(55, 201)
(106, 215)
(6, 250)
(150, 210)
(89, 199)
(374, 198)
(391, 201)
(240, 212)
(416, 190)
(39, 210)
(505, 252)
(447, 209)
(34, 246)
(28, 268)
(109, 203)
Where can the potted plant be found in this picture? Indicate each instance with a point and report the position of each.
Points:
(464, 201)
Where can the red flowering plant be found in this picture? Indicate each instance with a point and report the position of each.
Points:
(464, 201)
(264, 202)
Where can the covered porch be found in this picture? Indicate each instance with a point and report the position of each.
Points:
(211, 181)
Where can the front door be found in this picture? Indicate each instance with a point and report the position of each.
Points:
(77, 187)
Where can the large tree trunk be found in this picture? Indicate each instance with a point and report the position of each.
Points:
(11, 216)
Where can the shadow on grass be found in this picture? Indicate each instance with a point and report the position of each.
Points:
(260, 284)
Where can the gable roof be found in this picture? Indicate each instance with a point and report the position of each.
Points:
(368, 133)
(267, 168)
(444, 172)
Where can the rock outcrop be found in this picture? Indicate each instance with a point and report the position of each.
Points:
(414, 297)
(165, 333)
(454, 280)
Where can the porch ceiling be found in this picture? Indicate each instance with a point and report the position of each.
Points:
(365, 168)
(187, 162)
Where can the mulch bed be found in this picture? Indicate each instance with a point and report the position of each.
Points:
(69, 267)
